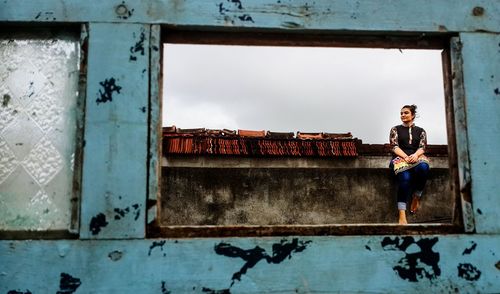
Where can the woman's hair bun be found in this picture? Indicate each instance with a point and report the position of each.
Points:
(412, 108)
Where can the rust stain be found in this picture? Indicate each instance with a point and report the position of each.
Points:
(478, 11)
(121, 9)
(6, 100)
(442, 28)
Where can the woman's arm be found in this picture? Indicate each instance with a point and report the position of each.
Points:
(421, 148)
(399, 152)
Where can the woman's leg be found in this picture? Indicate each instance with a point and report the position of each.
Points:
(404, 191)
(420, 174)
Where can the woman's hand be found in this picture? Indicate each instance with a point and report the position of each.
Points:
(412, 158)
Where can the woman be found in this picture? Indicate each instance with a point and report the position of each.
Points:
(409, 163)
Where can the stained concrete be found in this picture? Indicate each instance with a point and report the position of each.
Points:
(282, 191)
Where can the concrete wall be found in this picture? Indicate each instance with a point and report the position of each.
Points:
(281, 191)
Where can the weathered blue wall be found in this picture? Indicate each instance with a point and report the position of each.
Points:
(115, 164)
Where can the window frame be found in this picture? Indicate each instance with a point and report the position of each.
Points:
(452, 72)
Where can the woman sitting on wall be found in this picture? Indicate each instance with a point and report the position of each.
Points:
(409, 163)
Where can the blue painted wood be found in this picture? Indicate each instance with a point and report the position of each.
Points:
(115, 152)
(436, 264)
(366, 15)
(481, 70)
(155, 125)
(115, 163)
(462, 142)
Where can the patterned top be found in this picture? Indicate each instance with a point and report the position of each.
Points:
(409, 139)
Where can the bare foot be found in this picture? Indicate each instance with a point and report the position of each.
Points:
(402, 217)
(415, 204)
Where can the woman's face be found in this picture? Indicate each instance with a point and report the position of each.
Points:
(406, 115)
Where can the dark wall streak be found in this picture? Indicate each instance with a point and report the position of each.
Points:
(415, 266)
(19, 292)
(281, 251)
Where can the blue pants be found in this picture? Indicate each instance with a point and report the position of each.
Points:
(412, 180)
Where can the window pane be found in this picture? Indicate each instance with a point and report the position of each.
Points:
(38, 93)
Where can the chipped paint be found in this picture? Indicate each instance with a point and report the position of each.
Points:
(68, 284)
(106, 93)
(470, 249)
(122, 212)
(468, 272)
(138, 47)
(418, 265)
(97, 222)
(115, 255)
(164, 289)
(212, 291)
(156, 244)
(123, 12)
(281, 251)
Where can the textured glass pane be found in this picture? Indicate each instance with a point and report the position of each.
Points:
(38, 93)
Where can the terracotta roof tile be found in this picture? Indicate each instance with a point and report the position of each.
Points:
(251, 133)
(301, 135)
(278, 135)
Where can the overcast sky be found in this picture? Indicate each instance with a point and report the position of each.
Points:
(290, 89)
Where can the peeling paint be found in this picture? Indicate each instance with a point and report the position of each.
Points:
(97, 222)
(156, 244)
(417, 265)
(245, 17)
(164, 289)
(68, 284)
(138, 47)
(470, 249)
(123, 12)
(115, 255)
(47, 15)
(281, 251)
(122, 212)
(211, 291)
(106, 94)
(468, 272)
